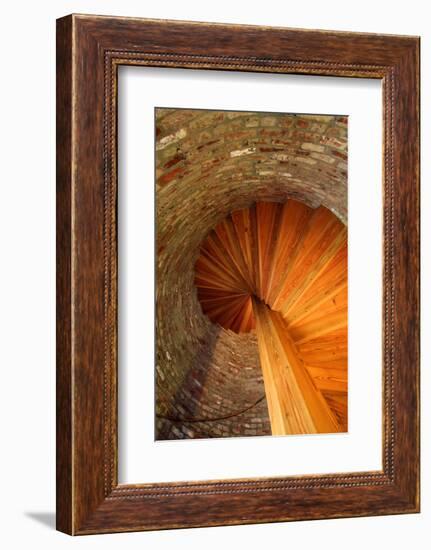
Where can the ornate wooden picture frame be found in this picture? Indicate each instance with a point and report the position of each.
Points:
(89, 51)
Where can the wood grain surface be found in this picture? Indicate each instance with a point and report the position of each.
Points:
(281, 269)
(89, 51)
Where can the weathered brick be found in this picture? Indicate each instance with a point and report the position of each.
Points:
(305, 160)
(172, 138)
(242, 152)
(325, 158)
(312, 147)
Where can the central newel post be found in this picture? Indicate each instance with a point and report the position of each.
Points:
(295, 405)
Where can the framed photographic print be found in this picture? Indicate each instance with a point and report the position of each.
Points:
(237, 274)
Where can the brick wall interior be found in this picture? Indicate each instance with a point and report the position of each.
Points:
(208, 164)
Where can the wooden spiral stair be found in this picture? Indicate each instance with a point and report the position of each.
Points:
(281, 270)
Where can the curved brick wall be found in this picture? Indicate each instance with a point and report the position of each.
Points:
(208, 164)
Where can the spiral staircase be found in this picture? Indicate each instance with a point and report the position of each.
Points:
(281, 270)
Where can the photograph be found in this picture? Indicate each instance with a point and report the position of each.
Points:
(251, 273)
(213, 291)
